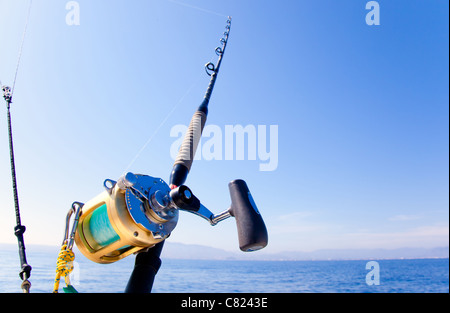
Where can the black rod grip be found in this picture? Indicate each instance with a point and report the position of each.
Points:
(252, 231)
(146, 266)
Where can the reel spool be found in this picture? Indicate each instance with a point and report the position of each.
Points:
(125, 219)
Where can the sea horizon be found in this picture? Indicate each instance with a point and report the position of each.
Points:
(174, 250)
(235, 276)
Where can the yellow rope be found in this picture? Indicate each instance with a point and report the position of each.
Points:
(64, 266)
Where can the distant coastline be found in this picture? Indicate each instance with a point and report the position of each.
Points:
(180, 251)
(173, 250)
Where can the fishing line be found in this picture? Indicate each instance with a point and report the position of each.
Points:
(162, 123)
(197, 8)
(182, 98)
(21, 47)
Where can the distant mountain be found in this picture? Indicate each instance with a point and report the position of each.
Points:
(182, 251)
(173, 250)
(363, 254)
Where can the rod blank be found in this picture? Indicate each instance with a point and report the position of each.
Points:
(185, 158)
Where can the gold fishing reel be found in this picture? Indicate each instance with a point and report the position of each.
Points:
(139, 211)
(132, 214)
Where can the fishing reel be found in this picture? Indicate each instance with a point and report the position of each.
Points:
(139, 211)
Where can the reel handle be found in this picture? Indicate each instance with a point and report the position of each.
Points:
(252, 231)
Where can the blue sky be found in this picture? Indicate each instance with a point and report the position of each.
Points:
(362, 114)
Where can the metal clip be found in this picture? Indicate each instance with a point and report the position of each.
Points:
(70, 237)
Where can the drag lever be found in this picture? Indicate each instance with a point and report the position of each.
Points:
(184, 199)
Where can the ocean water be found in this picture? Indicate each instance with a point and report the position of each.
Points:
(231, 276)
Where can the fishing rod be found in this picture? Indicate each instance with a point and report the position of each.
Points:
(137, 213)
(19, 229)
(183, 162)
